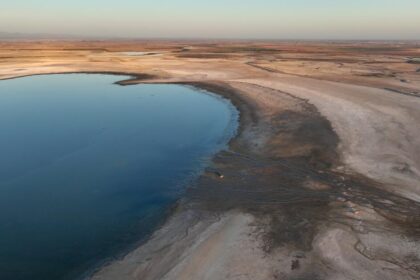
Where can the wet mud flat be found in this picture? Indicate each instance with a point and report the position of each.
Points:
(291, 183)
(296, 166)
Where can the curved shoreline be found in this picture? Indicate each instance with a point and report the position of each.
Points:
(240, 146)
(224, 92)
(246, 116)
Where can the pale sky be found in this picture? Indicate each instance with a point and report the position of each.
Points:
(246, 19)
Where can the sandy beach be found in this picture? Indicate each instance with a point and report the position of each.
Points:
(322, 179)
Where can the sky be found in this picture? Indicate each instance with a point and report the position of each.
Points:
(231, 19)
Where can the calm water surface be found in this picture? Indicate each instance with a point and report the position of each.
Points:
(88, 167)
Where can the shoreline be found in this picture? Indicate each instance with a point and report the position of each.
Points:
(301, 197)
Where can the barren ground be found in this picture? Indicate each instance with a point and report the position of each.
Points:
(322, 180)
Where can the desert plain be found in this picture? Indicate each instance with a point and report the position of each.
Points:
(322, 180)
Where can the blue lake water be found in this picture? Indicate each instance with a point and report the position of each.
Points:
(88, 167)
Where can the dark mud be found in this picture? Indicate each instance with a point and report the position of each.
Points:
(205, 55)
(291, 183)
(414, 61)
(404, 92)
